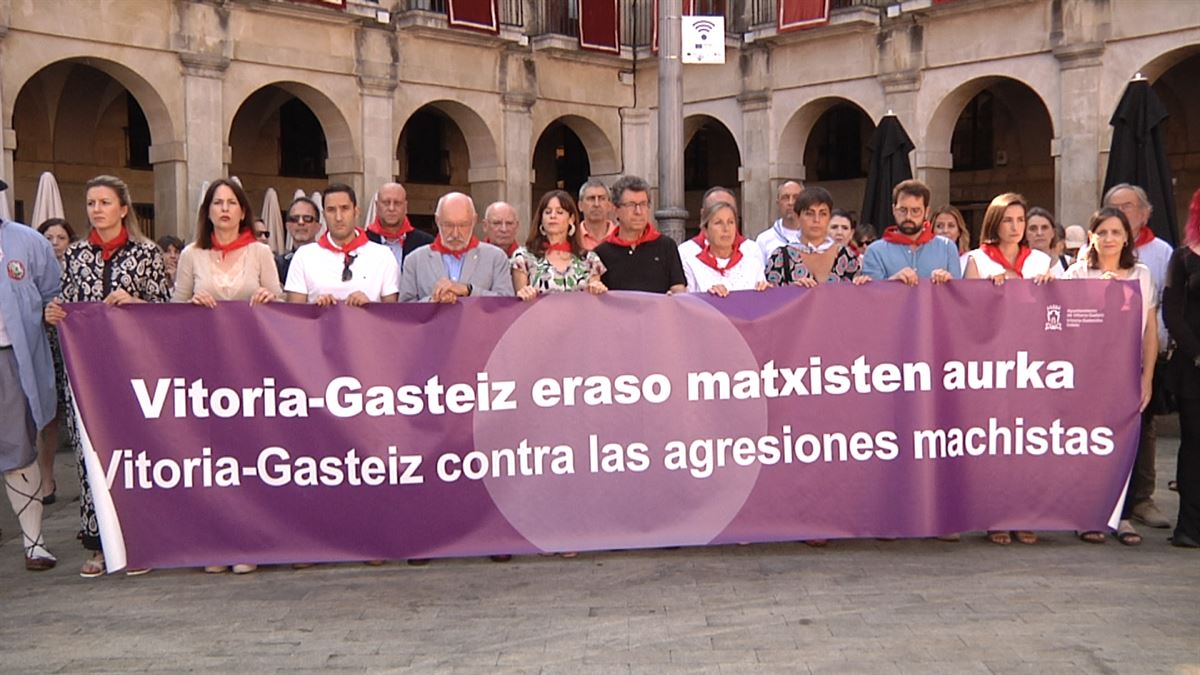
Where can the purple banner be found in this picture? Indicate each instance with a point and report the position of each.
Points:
(291, 433)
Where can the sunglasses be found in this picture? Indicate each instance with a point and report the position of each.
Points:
(263, 234)
(306, 219)
(347, 275)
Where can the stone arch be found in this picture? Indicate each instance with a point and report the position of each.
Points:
(72, 116)
(712, 157)
(601, 151)
(794, 138)
(481, 142)
(1021, 129)
(339, 138)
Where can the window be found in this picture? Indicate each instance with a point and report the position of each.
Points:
(974, 135)
(137, 135)
(302, 150)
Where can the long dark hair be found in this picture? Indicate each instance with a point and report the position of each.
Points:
(47, 224)
(204, 226)
(537, 242)
(1128, 257)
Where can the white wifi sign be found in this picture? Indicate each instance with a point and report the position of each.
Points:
(703, 39)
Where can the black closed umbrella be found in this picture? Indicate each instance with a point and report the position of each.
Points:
(1138, 154)
(889, 148)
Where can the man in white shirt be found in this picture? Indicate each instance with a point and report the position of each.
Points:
(785, 230)
(343, 266)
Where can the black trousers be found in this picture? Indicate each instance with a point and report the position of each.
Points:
(1187, 472)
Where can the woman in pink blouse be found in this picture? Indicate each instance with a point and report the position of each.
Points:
(226, 262)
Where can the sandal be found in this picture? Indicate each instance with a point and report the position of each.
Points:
(1000, 537)
(1091, 536)
(1025, 537)
(1127, 535)
(93, 567)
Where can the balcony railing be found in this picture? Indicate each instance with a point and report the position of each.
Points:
(766, 12)
(512, 12)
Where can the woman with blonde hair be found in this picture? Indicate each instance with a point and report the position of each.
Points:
(116, 265)
(948, 222)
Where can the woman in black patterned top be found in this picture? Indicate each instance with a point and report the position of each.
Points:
(117, 265)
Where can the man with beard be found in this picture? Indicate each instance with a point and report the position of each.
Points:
(456, 265)
(909, 250)
(391, 227)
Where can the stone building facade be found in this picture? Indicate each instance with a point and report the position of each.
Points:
(290, 94)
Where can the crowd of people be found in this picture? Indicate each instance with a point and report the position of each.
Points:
(606, 240)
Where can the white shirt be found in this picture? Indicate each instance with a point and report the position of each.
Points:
(742, 277)
(317, 271)
(775, 236)
(1155, 257)
(1140, 273)
(1037, 264)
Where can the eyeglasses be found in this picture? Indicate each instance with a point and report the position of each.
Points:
(263, 234)
(306, 219)
(347, 275)
(635, 206)
(915, 211)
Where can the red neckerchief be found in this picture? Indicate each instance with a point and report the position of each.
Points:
(359, 240)
(708, 258)
(1145, 236)
(894, 235)
(438, 246)
(700, 239)
(648, 235)
(564, 246)
(108, 248)
(245, 239)
(992, 251)
(511, 249)
(398, 235)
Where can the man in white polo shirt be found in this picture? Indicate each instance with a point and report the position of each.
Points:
(343, 266)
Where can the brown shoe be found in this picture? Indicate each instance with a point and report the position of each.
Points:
(39, 564)
(1148, 514)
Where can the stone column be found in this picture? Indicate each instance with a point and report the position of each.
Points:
(207, 155)
(517, 173)
(637, 143)
(173, 212)
(758, 200)
(379, 147)
(1077, 179)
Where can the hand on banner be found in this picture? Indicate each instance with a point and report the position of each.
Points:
(907, 276)
(762, 285)
(204, 299)
(719, 290)
(805, 282)
(261, 297)
(998, 279)
(1044, 278)
(324, 301)
(527, 293)
(357, 299)
(54, 313)
(596, 287)
(121, 297)
(447, 292)
(940, 276)
(861, 279)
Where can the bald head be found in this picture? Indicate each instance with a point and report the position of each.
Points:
(500, 224)
(786, 198)
(391, 205)
(455, 217)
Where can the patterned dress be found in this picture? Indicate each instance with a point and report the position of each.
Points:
(786, 266)
(137, 267)
(546, 278)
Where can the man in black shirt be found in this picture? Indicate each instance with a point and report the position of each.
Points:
(637, 256)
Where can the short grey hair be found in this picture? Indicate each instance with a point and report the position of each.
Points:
(487, 213)
(1141, 194)
(628, 183)
(591, 184)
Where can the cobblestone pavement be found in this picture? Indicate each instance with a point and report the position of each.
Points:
(860, 606)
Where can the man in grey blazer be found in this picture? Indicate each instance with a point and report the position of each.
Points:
(456, 264)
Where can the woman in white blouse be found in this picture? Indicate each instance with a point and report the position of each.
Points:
(1111, 255)
(226, 262)
(727, 261)
(1005, 252)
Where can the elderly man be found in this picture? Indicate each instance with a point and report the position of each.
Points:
(637, 256)
(500, 225)
(1155, 254)
(909, 250)
(456, 265)
(344, 266)
(302, 224)
(27, 399)
(714, 195)
(596, 208)
(391, 227)
(785, 230)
